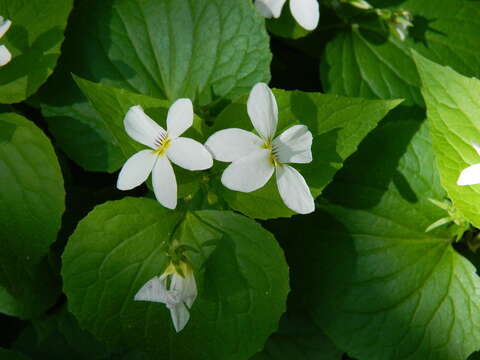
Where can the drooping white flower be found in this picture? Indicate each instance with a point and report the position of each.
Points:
(306, 12)
(471, 175)
(255, 158)
(5, 55)
(165, 146)
(177, 290)
(400, 24)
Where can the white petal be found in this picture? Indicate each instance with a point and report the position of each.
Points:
(180, 117)
(5, 55)
(180, 316)
(294, 145)
(136, 169)
(470, 175)
(306, 12)
(270, 8)
(294, 190)
(401, 33)
(476, 146)
(250, 172)
(153, 290)
(4, 26)
(189, 154)
(263, 111)
(164, 183)
(231, 144)
(140, 127)
(187, 287)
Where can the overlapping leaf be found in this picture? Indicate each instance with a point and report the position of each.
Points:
(394, 291)
(204, 50)
(453, 105)
(362, 61)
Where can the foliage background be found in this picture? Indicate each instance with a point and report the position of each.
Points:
(364, 279)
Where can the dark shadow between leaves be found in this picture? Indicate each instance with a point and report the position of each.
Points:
(420, 27)
(308, 242)
(228, 289)
(326, 160)
(31, 63)
(374, 165)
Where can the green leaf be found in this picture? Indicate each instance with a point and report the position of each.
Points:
(33, 197)
(338, 125)
(453, 103)
(362, 61)
(34, 40)
(240, 271)
(202, 50)
(394, 291)
(12, 355)
(81, 132)
(31, 207)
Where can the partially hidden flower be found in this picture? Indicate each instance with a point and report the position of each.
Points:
(305, 12)
(400, 23)
(471, 175)
(176, 288)
(166, 146)
(5, 55)
(255, 158)
(361, 4)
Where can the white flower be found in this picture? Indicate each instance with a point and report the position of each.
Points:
(5, 55)
(167, 146)
(306, 12)
(178, 298)
(255, 158)
(471, 175)
(401, 23)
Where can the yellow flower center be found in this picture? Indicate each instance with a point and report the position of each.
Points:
(162, 142)
(273, 153)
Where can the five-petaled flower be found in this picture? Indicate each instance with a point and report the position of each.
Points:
(306, 12)
(5, 55)
(255, 158)
(165, 146)
(471, 175)
(176, 288)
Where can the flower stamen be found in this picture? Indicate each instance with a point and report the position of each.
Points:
(162, 142)
(274, 152)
